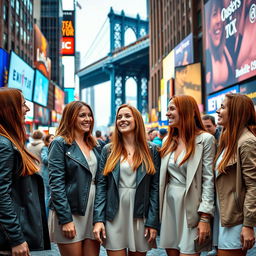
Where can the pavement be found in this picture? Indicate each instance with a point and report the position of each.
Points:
(153, 252)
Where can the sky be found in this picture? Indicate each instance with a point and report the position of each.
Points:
(90, 20)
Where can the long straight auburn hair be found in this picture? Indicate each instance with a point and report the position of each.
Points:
(241, 114)
(142, 153)
(68, 121)
(190, 125)
(13, 128)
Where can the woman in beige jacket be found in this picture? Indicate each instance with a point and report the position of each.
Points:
(186, 180)
(236, 176)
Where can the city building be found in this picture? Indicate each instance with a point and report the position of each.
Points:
(16, 28)
(51, 24)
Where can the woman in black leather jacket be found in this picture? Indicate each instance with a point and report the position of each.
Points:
(73, 163)
(23, 224)
(126, 203)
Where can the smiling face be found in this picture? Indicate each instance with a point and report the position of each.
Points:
(173, 114)
(215, 26)
(125, 122)
(223, 113)
(84, 120)
(25, 108)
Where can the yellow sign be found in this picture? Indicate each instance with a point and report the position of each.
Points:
(67, 28)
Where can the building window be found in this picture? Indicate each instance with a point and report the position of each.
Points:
(17, 28)
(5, 41)
(18, 7)
(5, 13)
(12, 3)
(21, 33)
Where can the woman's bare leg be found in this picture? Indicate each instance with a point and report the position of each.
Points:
(117, 253)
(238, 252)
(74, 249)
(91, 247)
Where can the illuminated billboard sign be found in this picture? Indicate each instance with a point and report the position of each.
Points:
(42, 61)
(41, 89)
(249, 89)
(4, 61)
(68, 33)
(230, 52)
(21, 76)
(59, 99)
(188, 81)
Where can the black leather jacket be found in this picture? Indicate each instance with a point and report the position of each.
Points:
(22, 209)
(69, 178)
(146, 203)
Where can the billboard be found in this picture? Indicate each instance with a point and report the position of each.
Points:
(214, 101)
(59, 99)
(41, 89)
(42, 61)
(183, 52)
(249, 89)
(188, 81)
(230, 52)
(21, 76)
(69, 95)
(68, 33)
(4, 62)
(41, 115)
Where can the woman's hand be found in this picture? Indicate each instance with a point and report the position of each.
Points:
(69, 230)
(99, 231)
(204, 231)
(152, 233)
(21, 250)
(247, 238)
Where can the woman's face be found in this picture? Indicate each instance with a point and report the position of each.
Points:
(84, 120)
(172, 114)
(125, 121)
(24, 108)
(215, 28)
(223, 113)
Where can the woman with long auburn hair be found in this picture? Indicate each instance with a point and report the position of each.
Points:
(126, 203)
(23, 224)
(73, 162)
(186, 180)
(235, 166)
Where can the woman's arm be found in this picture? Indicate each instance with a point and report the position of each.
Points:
(56, 167)
(9, 221)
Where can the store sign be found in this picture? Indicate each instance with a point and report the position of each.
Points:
(68, 33)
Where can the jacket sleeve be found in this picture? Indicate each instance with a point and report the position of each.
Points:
(56, 167)
(9, 221)
(44, 155)
(153, 213)
(248, 167)
(207, 201)
(101, 190)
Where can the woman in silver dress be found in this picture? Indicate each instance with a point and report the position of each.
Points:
(126, 203)
(73, 161)
(186, 180)
(236, 177)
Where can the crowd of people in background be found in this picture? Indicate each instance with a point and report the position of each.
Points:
(193, 181)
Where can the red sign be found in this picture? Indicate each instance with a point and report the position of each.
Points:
(68, 45)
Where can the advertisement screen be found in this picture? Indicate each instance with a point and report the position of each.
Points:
(42, 61)
(188, 81)
(41, 89)
(249, 89)
(230, 52)
(21, 76)
(68, 33)
(59, 100)
(183, 52)
(41, 115)
(69, 95)
(214, 101)
(4, 62)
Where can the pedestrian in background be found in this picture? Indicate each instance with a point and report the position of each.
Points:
(126, 203)
(211, 127)
(36, 145)
(160, 136)
(235, 168)
(23, 225)
(44, 169)
(186, 180)
(73, 162)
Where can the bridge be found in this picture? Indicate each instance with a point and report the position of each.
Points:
(122, 62)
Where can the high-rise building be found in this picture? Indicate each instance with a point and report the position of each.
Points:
(16, 27)
(51, 24)
(170, 22)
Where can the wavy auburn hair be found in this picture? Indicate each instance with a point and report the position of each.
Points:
(241, 114)
(68, 121)
(12, 127)
(190, 125)
(142, 153)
